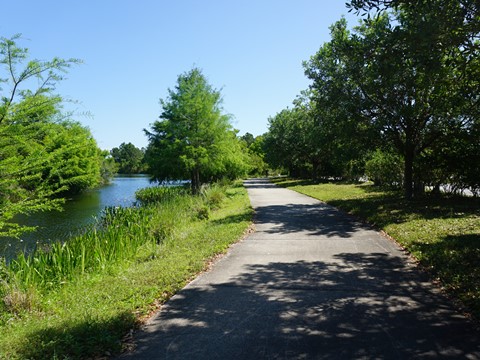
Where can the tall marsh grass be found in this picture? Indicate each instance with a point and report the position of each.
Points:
(117, 235)
(159, 194)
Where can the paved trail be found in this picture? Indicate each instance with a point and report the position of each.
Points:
(310, 283)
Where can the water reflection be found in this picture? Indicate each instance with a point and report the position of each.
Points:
(79, 212)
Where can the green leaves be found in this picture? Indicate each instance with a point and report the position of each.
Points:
(42, 156)
(404, 79)
(47, 73)
(193, 138)
(129, 158)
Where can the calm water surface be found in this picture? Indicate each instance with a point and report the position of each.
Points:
(79, 212)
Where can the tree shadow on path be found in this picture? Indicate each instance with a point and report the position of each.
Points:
(311, 219)
(359, 306)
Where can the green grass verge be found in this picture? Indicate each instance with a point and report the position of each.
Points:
(87, 313)
(443, 233)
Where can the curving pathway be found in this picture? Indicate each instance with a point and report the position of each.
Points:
(310, 283)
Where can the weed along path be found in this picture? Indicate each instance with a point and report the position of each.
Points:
(310, 283)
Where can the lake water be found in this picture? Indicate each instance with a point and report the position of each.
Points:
(79, 212)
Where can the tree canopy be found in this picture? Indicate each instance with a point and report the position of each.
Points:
(254, 148)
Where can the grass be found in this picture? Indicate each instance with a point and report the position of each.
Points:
(87, 310)
(443, 233)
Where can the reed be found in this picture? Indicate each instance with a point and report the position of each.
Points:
(159, 194)
(117, 235)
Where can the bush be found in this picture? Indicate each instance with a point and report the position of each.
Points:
(385, 169)
(203, 212)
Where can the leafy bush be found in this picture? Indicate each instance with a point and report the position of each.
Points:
(385, 169)
(203, 212)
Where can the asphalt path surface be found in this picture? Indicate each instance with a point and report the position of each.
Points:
(310, 283)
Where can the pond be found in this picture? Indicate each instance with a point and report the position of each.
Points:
(78, 212)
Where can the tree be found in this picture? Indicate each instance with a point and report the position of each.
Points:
(289, 142)
(342, 133)
(108, 167)
(76, 164)
(256, 153)
(401, 88)
(193, 138)
(129, 159)
(423, 71)
(42, 154)
(406, 92)
(248, 138)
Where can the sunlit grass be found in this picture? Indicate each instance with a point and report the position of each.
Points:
(89, 311)
(443, 233)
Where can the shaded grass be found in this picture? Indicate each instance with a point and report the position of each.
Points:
(88, 314)
(443, 233)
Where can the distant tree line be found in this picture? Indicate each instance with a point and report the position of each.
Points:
(396, 98)
(254, 148)
(129, 159)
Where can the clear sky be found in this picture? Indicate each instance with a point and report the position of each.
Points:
(133, 51)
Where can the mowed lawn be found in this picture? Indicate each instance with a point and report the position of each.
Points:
(442, 233)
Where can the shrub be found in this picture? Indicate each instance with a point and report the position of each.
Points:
(385, 169)
(203, 212)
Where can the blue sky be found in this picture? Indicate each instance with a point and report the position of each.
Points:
(134, 50)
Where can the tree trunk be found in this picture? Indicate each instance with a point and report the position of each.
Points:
(408, 181)
(195, 181)
(315, 170)
(418, 188)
